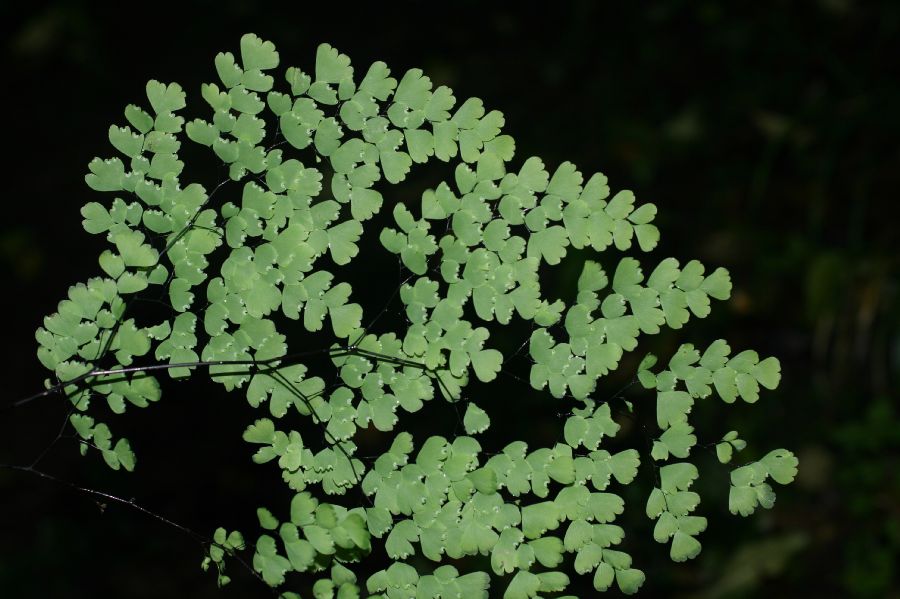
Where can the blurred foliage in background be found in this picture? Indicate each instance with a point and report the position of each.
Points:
(768, 138)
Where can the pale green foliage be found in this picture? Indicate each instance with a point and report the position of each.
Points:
(295, 214)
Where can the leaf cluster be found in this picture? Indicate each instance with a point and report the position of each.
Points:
(309, 156)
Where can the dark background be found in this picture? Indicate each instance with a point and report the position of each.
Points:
(768, 138)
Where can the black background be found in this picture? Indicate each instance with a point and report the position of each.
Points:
(767, 138)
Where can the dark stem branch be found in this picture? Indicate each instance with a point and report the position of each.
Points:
(101, 496)
(273, 363)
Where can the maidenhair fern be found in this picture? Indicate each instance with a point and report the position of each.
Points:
(234, 272)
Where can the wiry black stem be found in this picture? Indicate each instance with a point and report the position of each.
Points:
(101, 496)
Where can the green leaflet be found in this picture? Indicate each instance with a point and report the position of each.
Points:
(473, 254)
(748, 483)
(476, 420)
(271, 566)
